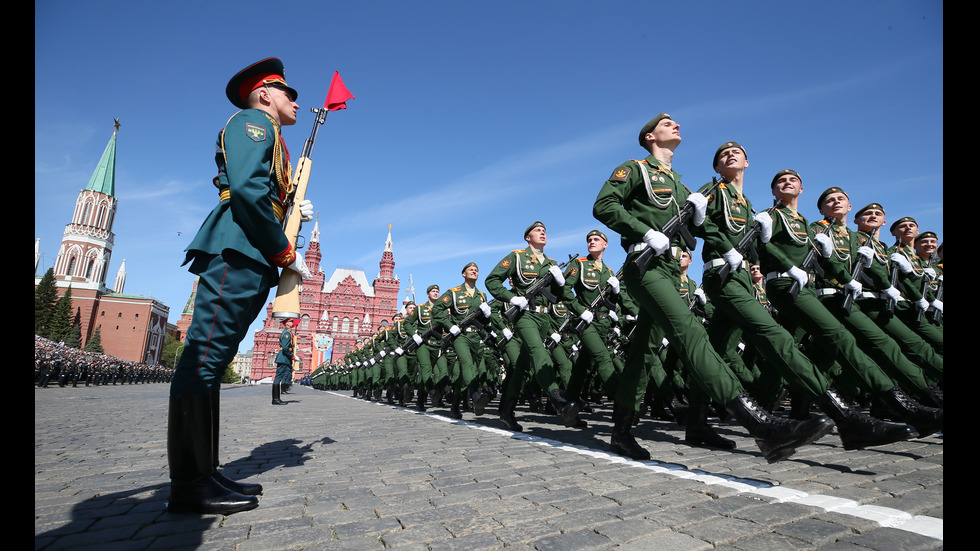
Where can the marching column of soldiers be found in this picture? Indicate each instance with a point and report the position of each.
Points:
(827, 314)
(56, 364)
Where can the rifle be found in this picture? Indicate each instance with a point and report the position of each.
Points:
(580, 324)
(810, 263)
(855, 274)
(743, 246)
(539, 287)
(676, 225)
(286, 304)
(472, 318)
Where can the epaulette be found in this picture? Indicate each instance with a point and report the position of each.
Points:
(823, 223)
(583, 259)
(458, 287)
(520, 250)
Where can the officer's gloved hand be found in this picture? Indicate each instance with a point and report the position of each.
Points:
(454, 330)
(892, 293)
(824, 244)
(866, 254)
(520, 302)
(417, 338)
(700, 204)
(306, 210)
(586, 316)
(556, 273)
(854, 287)
(903, 263)
(799, 275)
(299, 266)
(930, 272)
(508, 334)
(656, 241)
(937, 304)
(765, 223)
(702, 298)
(733, 258)
(613, 282)
(485, 309)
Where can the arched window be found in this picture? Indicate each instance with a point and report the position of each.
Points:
(71, 265)
(305, 323)
(88, 269)
(345, 326)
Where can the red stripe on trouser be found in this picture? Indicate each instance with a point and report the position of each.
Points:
(214, 320)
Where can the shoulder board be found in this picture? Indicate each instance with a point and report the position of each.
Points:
(583, 259)
(520, 250)
(458, 287)
(823, 223)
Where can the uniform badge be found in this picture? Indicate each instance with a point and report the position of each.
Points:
(255, 132)
(504, 263)
(621, 174)
(445, 299)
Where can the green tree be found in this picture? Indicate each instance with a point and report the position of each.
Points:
(45, 296)
(95, 343)
(74, 338)
(60, 325)
(231, 376)
(172, 349)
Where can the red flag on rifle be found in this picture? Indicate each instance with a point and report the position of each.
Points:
(337, 95)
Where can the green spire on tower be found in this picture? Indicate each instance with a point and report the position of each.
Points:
(104, 178)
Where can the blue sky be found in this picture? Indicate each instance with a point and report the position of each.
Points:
(474, 119)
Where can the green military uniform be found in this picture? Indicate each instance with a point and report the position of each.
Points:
(631, 205)
(584, 280)
(448, 312)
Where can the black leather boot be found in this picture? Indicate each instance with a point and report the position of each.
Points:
(276, 393)
(622, 441)
(243, 488)
(858, 430)
(193, 489)
(480, 400)
(777, 438)
(926, 420)
(454, 410)
(506, 412)
(700, 433)
(567, 410)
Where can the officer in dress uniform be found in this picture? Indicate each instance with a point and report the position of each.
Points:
(236, 253)
(284, 360)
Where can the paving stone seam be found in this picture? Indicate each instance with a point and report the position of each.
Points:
(884, 516)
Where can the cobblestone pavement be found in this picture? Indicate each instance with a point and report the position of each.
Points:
(344, 473)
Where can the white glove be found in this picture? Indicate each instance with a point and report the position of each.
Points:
(902, 262)
(613, 282)
(867, 255)
(734, 259)
(399, 351)
(508, 334)
(417, 339)
(299, 266)
(700, 204)
(892, 293)
(929, 272)
(555, 272)
(372, 361)
(656, 241)
(741, 347)
(306, 210)
(630, 317)
(556, 337)
(454, 330)
(800, 276)
(586, 316)
(520, 302)
(824, 244)
(937, 304)
(854, 287)
(922, 304)
(665, 342)
(485, 308)
(383, 353)
(617, 331)
(613, 316)
(765, 222)
(699, 294)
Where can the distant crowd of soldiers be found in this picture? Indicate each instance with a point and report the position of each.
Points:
(830, 315)
(55, 363)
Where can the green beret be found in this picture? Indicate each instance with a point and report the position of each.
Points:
(828, 191)
(536, 224)
(431, 287)
(648, 127)
(467, 266)
(869, 207)
(596, 232)
(926, 235)
(901, 220)
(782, 173)
(724, 146)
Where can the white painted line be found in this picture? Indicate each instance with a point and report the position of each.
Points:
(930, 527)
